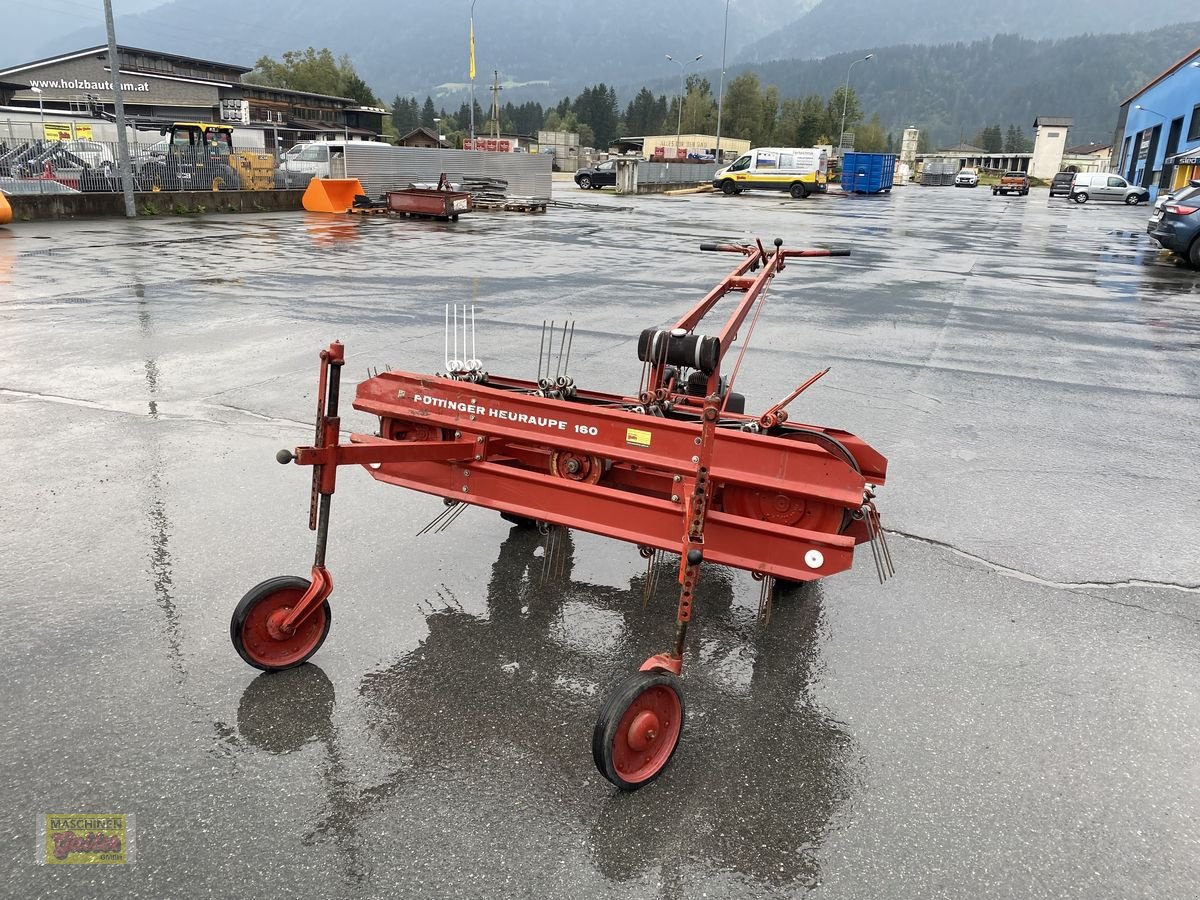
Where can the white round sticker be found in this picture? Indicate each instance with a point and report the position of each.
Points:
(814, 559)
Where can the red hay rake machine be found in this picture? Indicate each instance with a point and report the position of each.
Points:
(680, 467)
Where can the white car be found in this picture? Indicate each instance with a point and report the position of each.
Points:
(967, 178)
(93, 153)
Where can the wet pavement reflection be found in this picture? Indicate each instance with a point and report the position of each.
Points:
(1011, 716)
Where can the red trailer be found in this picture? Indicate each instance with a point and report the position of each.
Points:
(678, 466)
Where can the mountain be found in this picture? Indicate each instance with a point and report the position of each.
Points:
(413, 47)
(31, 25)
(952, 91)
(835, 26)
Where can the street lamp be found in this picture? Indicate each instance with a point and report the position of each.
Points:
(721, 89)
(682, 67)
(1148, 109)
(846, 99)
(42, 137)
(41, 110)
(437, 126)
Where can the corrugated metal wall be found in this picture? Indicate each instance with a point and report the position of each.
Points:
(528, 174)
(675, 173)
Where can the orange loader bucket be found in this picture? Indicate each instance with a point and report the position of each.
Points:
(331, 194)
(5, 210)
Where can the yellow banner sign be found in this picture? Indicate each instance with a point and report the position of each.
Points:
(78, 839)
(56, 131)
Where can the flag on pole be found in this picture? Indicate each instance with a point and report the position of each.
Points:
(472, 49)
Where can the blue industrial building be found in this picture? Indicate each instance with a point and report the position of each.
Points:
(1158, 133)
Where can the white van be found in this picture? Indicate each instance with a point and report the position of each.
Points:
(1107, 186)
(797, 170)
(325, 159)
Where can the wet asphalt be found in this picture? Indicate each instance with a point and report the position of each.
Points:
(1015, 714)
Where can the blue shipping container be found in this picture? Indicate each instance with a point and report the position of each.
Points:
(868, 173)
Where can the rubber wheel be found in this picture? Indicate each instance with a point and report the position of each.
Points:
(519, 521)
(1024, 193)
(638, 728)
(229, 179)
(584, 183)
(728, 187)
(995, 192)
(798, 191)
(1133, 200)
(251, 637)
(1081, 197)
(1194, 254)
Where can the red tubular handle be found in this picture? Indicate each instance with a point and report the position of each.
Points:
(727, 248)
(750, 248)
(843, 251)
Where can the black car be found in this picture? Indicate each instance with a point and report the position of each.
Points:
(1061, 184)
(1177, 225)
(596, 177)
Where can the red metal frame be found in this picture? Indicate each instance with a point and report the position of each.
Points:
(680, 480)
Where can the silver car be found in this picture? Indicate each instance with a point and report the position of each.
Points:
(1107, 186)
(92, 153)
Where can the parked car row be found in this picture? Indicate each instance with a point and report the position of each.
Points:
(1175, 222)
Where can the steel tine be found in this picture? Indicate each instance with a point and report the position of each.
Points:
(561, 344)
(433, 522)
(876, 544)
(562, 554)
(446, 340)
(873, 535)
(474, 355)
(548, 544)
(570, 341)
(541, 350)
(457, 511)
(883, 544)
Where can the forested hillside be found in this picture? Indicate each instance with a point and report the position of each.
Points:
(957, 89)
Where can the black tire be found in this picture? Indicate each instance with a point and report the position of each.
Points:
(1194, 254)
(1080, 197)
(798, 191)
(1024, 193)
(584, 182)
(230, 180)
(728, 187)
(605, 735)
(152, 176)
(995, 191)
(1133, 200)
(519, 521)
(243, 631)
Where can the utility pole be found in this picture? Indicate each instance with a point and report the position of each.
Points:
(114, 67)
(471, 72)
(496, 89)
(721, 89)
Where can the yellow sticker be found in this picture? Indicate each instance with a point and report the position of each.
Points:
(637, 438)
(87, 839)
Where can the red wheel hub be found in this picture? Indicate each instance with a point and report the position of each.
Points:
(576, 466)
(783, 509)
(264, 638)
(642, 731)
(647, 733)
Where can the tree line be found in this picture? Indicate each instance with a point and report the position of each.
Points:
(763, 114)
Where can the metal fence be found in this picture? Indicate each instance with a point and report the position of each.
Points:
(676, 173)
(30, 164)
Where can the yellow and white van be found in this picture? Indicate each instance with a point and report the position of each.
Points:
(797, 170)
